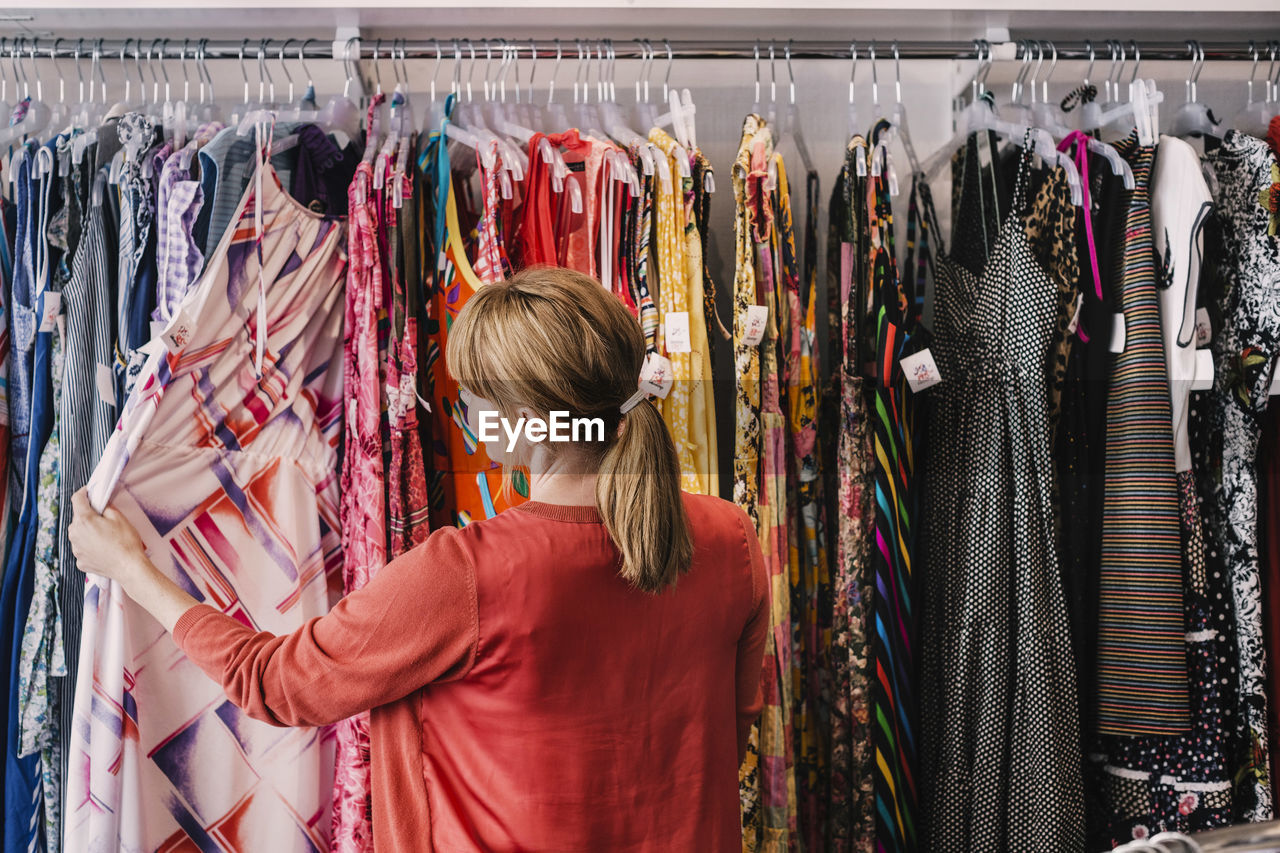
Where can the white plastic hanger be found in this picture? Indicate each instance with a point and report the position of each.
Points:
(1049, 116)
(1252, 119)
(1193, 118)
(855, 127)
(340, 113)
(793, 114)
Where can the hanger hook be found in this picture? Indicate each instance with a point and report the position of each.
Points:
(1137, 62)
(186, 72)
(102, 73)
(897, 74)
(203, 65)
(644, 55)
(377, 68)
(555, 72)
(471, 68)
(875, 77)
(853, 67)
(34, 48)
(245, 74)
(791, 77)
(435, 69)
(757, 71)
(986, 65)
(285, 68)
(1038, 46)
(62, 81)
(533, 68)
(302, 60)
(1053, 66)
(670, 61)
(162, 55)
(346, 66)
(265, 80)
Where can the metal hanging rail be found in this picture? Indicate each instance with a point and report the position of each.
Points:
(176, 48)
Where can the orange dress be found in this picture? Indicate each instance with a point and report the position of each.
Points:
(467, 484)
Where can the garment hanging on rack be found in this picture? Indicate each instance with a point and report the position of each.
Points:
(1180, 782)
(1244, 349)
(363, 510)
(1142, 683)
(469, 484)
(220, 469)
(689, 408)
(810, 578)
(22, 775)
(999, 742)
(892, 627)
(852, 798)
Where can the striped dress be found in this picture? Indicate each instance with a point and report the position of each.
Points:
(1142, 658)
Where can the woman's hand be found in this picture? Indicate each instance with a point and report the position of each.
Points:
(105, 544)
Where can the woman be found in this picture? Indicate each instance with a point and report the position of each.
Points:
(577, 673)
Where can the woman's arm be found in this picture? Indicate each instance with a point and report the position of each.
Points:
(416, 622)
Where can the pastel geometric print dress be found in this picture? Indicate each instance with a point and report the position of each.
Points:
(230, 475)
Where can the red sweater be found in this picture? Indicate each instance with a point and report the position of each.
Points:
(525, 697)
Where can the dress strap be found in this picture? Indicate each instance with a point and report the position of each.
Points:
(1024, 175)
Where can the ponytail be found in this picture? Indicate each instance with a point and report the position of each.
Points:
(638, 496)
(581, 352)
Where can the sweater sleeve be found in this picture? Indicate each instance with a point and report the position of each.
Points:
(751, 643)
(416, 622)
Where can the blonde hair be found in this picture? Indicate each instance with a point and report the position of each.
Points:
(553, 339)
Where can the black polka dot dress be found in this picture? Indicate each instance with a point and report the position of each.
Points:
(1000, 740)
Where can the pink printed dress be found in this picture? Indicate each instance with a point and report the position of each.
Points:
(230, 476)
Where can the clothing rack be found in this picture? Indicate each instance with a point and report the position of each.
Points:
(567, 50)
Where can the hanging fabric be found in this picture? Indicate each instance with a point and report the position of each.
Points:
(217, 478)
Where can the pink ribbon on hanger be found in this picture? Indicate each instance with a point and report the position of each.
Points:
(1081, 142)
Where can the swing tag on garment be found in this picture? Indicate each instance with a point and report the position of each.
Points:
(1204, 328)
(1275, 386)
(921, 370)
(105, 379)
(756, 321)
(50, 308)
(177, 334)
(1075, 315)
(1203, 378)
(1117, 332)
(676, 332)
(656, 376)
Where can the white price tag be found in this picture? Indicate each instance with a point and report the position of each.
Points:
(105, 378)
(177, 334)
(1203, 379)
(1204, 328)
(1117, 332)
(50, 308)
(921, 370)
(1075, 316)
(656, 376)
(755, 323)
(1275, 386)
(676, 332)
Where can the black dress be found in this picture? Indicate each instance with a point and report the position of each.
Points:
(1000, 738)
